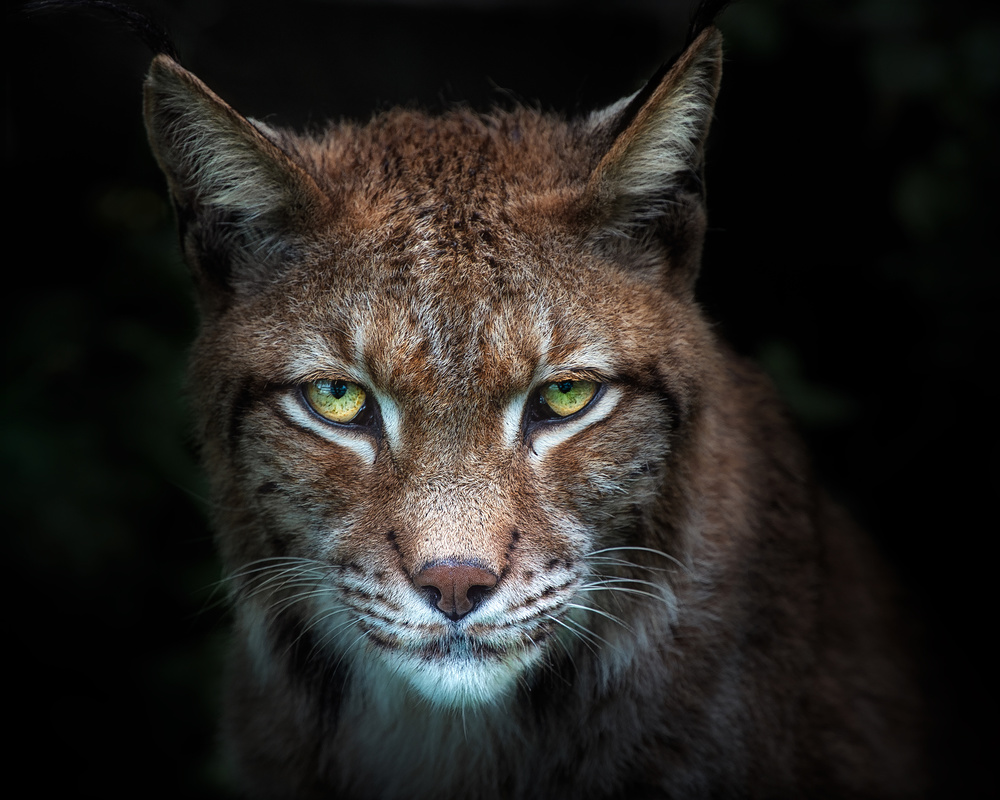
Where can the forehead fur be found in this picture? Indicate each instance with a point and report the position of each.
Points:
(451, 168)
(433, 247)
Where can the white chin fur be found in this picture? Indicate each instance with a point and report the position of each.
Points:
(455, 681)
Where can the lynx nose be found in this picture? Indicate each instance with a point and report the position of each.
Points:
(455, 587)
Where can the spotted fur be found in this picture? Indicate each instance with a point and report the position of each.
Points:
(667, 604)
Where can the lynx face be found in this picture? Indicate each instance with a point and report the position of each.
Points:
(446, 436)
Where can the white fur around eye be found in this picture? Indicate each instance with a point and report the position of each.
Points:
(392, 422)
(294, 408)
(512, 417)
(546, 437)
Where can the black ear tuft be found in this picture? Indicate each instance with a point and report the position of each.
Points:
(704, 16)
(141, 25)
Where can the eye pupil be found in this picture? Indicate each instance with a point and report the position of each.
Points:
(334, 400)
(566, 397)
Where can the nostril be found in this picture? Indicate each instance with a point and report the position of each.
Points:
(477, 594)
(455, 588)
(432, 592)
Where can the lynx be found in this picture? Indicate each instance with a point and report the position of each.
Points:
(500, 514)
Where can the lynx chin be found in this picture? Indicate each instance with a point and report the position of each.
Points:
(500, 514)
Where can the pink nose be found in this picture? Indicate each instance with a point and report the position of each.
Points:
(456, 587)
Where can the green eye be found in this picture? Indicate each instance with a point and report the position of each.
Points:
(567, 397)
(337, 401)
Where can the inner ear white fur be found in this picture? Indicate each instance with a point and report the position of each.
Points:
(662, 143)
(214, 158)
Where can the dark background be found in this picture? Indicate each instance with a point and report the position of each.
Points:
(853, 172)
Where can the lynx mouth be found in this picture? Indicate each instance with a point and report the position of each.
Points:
(456, 645)
(445, 647)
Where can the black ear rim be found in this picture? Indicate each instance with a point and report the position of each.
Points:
(702, 18)
(141, 25)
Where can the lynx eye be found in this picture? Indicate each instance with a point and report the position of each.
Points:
(563, 398)
(337, 401)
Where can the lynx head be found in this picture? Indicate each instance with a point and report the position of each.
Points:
(448, 372)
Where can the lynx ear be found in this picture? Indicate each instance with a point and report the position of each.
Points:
(648, 183)
(241, 200)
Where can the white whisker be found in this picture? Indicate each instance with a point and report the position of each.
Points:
(600, 613)
(638, 549)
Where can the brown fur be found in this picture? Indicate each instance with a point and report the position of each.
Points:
(678, 611)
